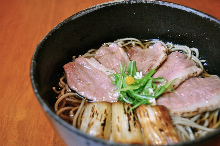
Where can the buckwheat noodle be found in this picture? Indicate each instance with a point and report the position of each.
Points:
(70, 106)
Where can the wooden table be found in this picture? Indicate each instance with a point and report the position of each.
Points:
(23, 24)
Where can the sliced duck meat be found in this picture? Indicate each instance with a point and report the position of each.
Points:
(91, 79)
(111, 56)
(178, 67)
(148, 59)
(194, 96)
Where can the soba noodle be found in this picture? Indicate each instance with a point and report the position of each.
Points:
(70, 106)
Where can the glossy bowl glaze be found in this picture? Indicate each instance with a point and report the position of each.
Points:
(107, 22)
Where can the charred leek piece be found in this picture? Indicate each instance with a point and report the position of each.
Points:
(125, 125)
(156, 125)
(96, 119)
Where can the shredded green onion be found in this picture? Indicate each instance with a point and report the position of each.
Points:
(142, 90)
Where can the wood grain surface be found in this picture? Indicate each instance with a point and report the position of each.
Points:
(23, 24)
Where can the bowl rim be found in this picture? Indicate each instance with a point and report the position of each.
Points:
(81, 13)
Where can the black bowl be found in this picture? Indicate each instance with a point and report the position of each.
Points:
(107, 22)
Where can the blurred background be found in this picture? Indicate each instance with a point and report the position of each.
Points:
(23, 24)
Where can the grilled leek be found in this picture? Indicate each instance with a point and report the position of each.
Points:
(156, 125)
(96, 119)
(125, 125)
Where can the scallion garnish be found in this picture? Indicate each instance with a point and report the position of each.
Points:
(136, 89)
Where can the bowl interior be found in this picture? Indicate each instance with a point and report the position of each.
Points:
(110, 21)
